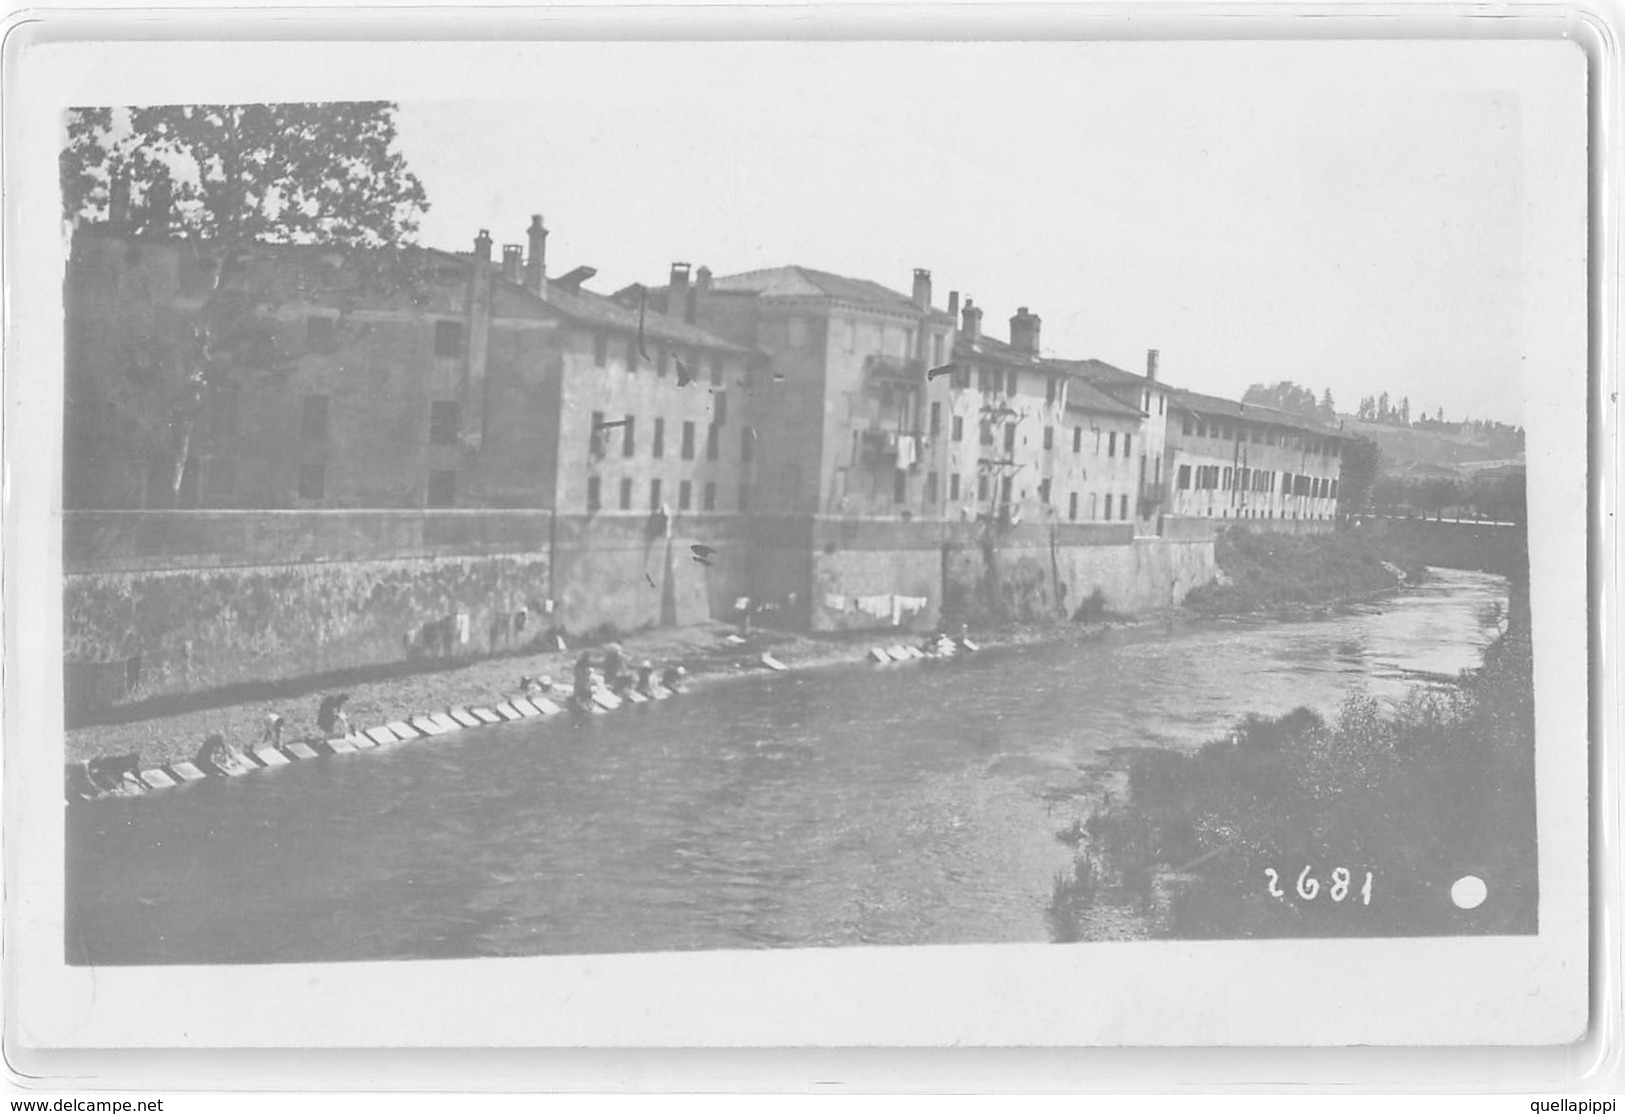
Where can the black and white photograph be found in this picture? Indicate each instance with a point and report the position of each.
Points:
(805, 498)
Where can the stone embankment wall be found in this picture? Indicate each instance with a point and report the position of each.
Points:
(160, 604)
(166, 603)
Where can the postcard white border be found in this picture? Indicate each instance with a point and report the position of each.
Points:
(1502, 991)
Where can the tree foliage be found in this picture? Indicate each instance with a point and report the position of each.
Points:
(228, 178)
(1362, 460)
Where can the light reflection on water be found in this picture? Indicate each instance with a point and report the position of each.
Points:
(906, 805)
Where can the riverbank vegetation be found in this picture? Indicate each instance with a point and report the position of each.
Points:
(1262, 571)
(1357, 825)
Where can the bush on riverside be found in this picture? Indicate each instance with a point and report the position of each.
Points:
(1265, 570)
(1441, 787)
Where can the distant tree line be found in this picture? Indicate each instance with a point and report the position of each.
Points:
(1293, 399)
(1498, 496)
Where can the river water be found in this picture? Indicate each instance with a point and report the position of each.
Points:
(905, 804)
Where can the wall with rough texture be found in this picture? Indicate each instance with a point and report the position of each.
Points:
(161, 603)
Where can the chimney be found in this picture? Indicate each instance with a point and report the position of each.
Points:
(536, 262)
(971, 328)
(1024, 332)
(513, 262)
(1151, 365)
(482, 246)
(118, 202)
(697, 297)
(677, 293)
(922, 288)
(160, 207)
(953, 304)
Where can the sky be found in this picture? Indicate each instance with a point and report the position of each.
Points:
(1354, 216)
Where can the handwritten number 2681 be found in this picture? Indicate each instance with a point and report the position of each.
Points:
(1309, 887)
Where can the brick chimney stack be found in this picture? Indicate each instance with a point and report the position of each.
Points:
(1151, 364)
(922, 288)
(971, 327)
(697, 298)
(536, 261)
(1024, 332)
(677, 292)
(513, 262)
(953, 304)
(482, 246)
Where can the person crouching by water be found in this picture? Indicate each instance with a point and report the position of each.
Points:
(272, 735)
(330, 718)
(583, 682)
(215, 755)
(615, 675)
(671, 679)
(646, 678)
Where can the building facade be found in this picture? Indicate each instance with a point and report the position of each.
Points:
(1236, 460)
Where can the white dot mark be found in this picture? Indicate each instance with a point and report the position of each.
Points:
(1469, 892)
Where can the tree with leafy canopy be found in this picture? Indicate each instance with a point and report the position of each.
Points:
(1328, 408)
(1362, 460)
(227, 178)
(1285, 395)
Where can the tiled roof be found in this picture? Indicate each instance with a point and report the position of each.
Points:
(1099, 371)
(1229, 408)
(806, 282)
(596, 309)
(1080, 393)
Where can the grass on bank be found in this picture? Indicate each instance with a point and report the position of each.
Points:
(1440, 788)
(1263, 570)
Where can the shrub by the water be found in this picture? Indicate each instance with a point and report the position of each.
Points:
(1274, 829)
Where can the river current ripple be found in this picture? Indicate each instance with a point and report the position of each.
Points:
(911, 804)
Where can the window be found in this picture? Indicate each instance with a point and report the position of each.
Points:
(1225, 483)
(747, 444)
(959, 428)
(936, 418)
(1161, 400)
(1093, 500)
(629, 437)
(710, 496)
(1187, 425)
(936, 350)
(899, 486)
(953, 487)
(688, 440)
(313, 423)
(443, 422)
(594, 497)
(981, 486)
(1072, 507)
(1010, 437)
(312, 481)
(685, 494)
(1334, 489)
(711, 442)
(716, 370)
(596, 445)
(987, 432)
(1049, 437)
(319, 333)
(659, 449)
(930, 489)
(1122, 507)
(1043, 490)
(1004, 489)
(721, 404)
(1145, 403)
(1108, 507)
(448, 338)
(1111, 444)
(654, 495)
(626, 494)
(1077, 439)
(443, 488)
(600, 349)
(1128, 440)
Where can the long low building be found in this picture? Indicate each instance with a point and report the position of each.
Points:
(1230, 459)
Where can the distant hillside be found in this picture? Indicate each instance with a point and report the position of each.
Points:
(1456, 446)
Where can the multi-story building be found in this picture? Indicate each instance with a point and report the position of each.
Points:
(1238, 460)
(844, 419)
(1029, 439)
(378, 379)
